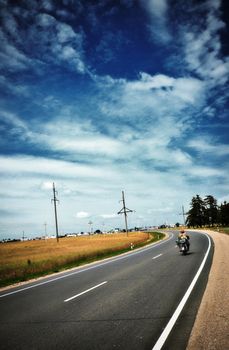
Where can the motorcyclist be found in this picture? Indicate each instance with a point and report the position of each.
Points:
(183, 235)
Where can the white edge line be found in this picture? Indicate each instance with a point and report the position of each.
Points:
(86, 291)
(157, 256)
(161, 340)
(86, 269)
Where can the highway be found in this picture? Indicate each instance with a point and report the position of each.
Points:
(134, 301)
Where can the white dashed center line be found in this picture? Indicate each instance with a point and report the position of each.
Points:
(86, 291)
(157, 256)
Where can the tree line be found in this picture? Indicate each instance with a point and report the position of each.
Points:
(206, 212)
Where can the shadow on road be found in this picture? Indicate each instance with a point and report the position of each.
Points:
(189, 253)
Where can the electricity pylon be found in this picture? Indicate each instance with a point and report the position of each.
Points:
(90, 225)
(124, 211)
(54, 200)
(183, 213)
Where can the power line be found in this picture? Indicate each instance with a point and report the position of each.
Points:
(124, 211)
(54, 200)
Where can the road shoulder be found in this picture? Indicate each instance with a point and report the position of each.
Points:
(210, 330)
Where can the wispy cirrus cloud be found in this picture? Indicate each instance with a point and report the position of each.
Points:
(198, 35)
(154, 153)
(56, 42)
(13, 121)
(204, 145)
(153, 107)
(16, 89)
(158, 11)
(59, 42)
(203, 45)
(11, 57)
(22, 164)
(80, 140)
(149, 101)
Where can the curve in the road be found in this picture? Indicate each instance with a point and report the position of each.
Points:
(163, 337)
(124, 302)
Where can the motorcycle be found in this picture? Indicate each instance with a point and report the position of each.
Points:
(183, 246)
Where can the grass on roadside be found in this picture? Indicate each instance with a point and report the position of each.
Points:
(220, 229)
(21, 261)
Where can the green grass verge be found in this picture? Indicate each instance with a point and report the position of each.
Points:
(41, 269)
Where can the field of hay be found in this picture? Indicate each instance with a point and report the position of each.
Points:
(24, 260)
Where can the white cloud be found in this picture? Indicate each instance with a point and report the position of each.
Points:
(206, 146)
(158, 7)
(81, 139)
(82, 215)
(203, 47)
(6, 84)
(97, 148)
(189, 90)
(13, 120)
(12, 58)
(147, 82)
(108, 216)
(156, 119)
(205, 172)
(66, 33)
(65, 45)
(165, 209)
(152, 97)
(55, 41)
(45, 20)
(47, 185)
(55, 168)
(89, 145)
(26, 186)
(9, 23)
(157, 11)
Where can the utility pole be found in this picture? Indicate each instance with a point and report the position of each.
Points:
(183, 213)
(45, 225)
(124, 211)
(23, 236)
(54, 200)
(90, 225)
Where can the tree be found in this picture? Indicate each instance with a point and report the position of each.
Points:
(98, 231)
(207, 212)
(211, 211)
(224, 213)
(196, 215)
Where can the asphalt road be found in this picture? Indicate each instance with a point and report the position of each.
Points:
(123, 303)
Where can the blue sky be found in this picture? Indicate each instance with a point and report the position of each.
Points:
(104, 96)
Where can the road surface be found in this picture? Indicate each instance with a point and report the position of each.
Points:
(122, 303)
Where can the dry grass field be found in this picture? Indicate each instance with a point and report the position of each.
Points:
(23, 260)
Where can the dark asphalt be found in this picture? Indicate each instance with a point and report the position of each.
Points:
(130, 311)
